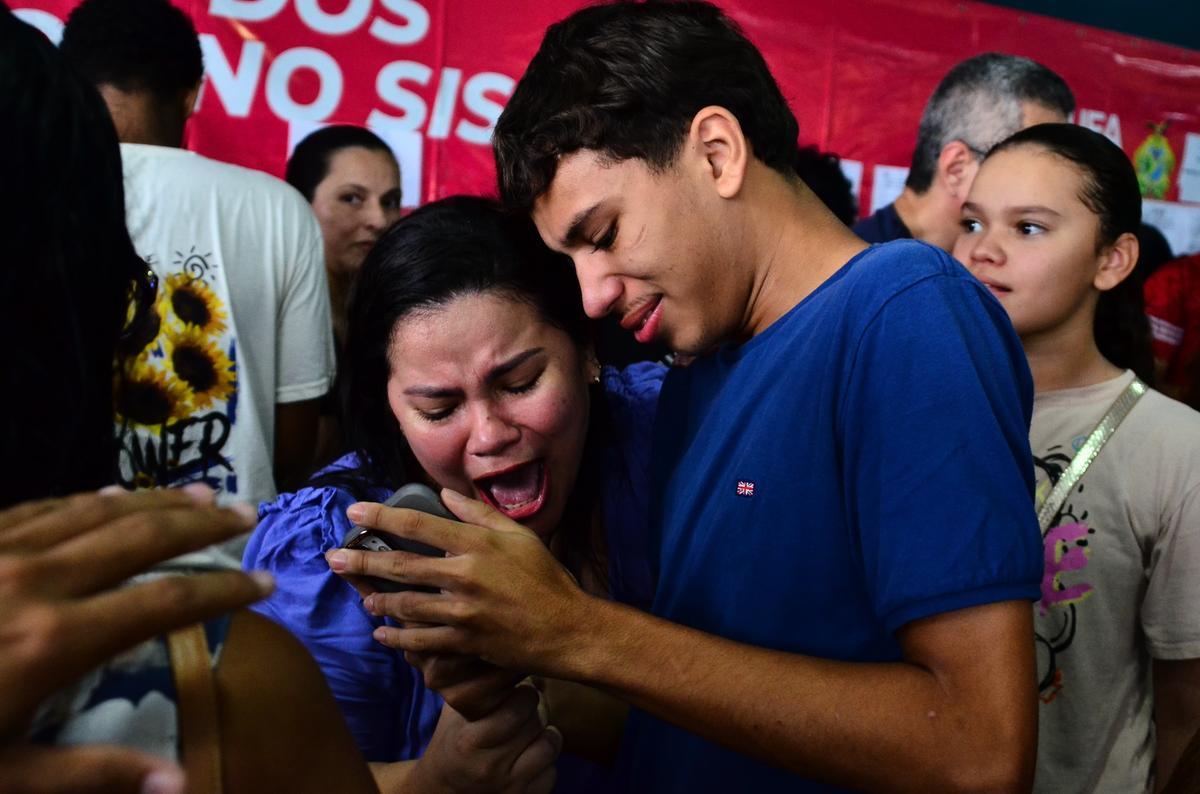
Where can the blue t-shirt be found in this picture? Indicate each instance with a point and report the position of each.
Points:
(882, 227)
(860, 464)
(384, 700)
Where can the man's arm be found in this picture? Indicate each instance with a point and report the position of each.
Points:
(957, 713)
(949, 717)
(295, 442)
(1176, 712)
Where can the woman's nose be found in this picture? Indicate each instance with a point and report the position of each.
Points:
(491, 432)
(375, 217)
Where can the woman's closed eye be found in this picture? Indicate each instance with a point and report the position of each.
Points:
(435, 415)
(522, 386)
(351, 198)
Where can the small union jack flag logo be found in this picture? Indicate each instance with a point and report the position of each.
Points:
(745, 488)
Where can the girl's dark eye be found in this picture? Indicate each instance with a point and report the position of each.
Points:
(969, 225)
(607, 240)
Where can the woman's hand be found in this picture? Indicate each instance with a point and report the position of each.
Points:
(60, 616)
(470, 685)
(504, 598)
(509, 751)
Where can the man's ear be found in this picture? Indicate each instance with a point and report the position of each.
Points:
(1116, 262)
(717, 139)
(189, 100)
(956, 169)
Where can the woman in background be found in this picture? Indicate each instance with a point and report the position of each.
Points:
(352, 180)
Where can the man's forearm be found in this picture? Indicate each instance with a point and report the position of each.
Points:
(959, 713)
(898, 726)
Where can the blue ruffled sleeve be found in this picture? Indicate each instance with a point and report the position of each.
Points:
(382, 698)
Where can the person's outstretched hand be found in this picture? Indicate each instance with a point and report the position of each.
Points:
(62, 614)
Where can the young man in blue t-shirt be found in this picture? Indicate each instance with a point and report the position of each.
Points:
(844, 534)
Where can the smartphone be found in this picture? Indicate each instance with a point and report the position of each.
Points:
(413, 496)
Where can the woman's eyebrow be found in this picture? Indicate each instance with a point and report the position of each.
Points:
(498, 371)
(432, 392)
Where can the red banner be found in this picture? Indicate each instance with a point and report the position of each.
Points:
(431, 76)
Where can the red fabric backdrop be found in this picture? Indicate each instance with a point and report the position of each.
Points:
(432, 76)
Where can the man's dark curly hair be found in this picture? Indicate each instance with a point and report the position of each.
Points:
(134, 45)
(626, 80)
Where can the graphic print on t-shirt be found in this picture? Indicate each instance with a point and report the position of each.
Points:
(176, 399)
(1066, 543)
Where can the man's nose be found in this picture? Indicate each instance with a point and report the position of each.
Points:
(599, 288)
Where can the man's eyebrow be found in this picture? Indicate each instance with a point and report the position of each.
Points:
(575, 230)
(498, 371)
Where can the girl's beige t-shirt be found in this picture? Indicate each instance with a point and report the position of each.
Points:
(1121, 584)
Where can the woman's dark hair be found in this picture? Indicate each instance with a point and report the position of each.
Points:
(309, 163)
(625, 80)
(448, 249)
(1110, 190)
(70, 266)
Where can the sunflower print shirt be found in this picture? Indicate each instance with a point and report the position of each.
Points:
(175, 392)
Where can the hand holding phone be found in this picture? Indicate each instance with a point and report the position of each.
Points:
(413, 496)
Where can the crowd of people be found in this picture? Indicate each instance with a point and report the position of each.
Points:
(891, 504)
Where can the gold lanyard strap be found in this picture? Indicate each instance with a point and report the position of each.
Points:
(1088, 452)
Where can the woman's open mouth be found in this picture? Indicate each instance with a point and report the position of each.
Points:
(518, 491)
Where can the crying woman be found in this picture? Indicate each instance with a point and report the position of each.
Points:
(468, 365)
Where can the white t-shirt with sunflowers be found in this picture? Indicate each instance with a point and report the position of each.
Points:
(242, 322)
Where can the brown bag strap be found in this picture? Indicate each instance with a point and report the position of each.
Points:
(199, 725)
